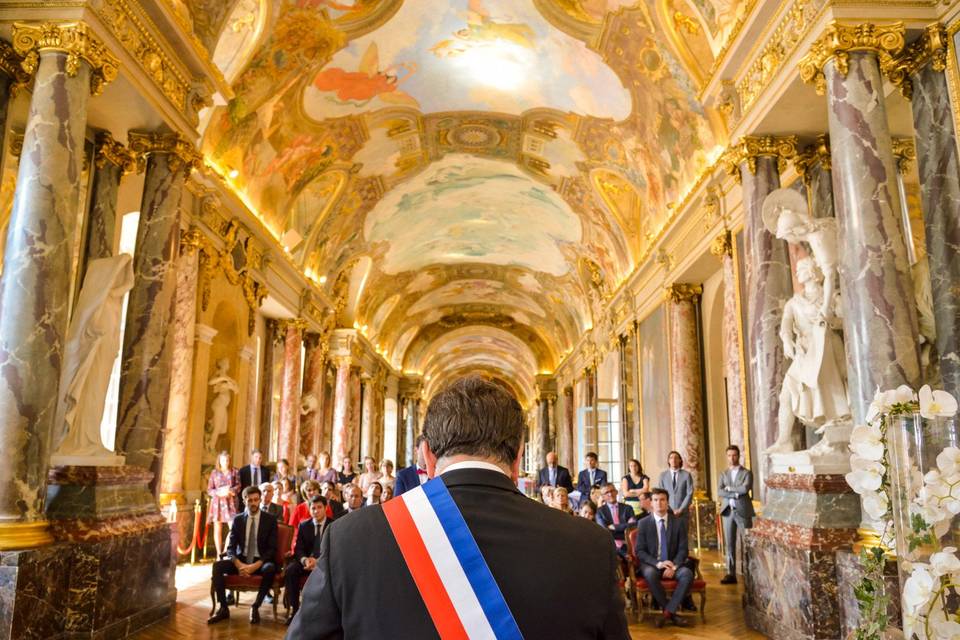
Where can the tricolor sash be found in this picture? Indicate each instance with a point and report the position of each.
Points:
(443, 558)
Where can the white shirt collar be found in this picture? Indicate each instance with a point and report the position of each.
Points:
(659, 518)
(472, 464)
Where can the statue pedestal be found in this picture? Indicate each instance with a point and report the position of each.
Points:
(110, 571)
(791, 556)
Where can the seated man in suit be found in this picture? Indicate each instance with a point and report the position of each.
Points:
(662, 554)
(678, 483)
(306, 550)
(414, 475)
(353, 496)
(592, 476)
(553, 475)
(615, 516)
(267, 504)
(251, 551)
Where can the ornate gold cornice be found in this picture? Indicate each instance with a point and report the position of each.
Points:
(297, 324)
(930, 48)
(11, 64)
(905, 152)
(191, 240)
(839, 40)
(181, 151)
(75, 39)
(812, 155)
(682, 292)
(749, 148)
(722, 245)
(106, 149)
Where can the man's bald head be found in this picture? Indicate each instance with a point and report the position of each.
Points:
(552, 458)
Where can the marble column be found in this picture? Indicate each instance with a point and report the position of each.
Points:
(270, 353)
(567, 442)
(341, 412)
(365, 443)
(769, 284)
(35, 287)
(248, 361)
(410, 428)
(288, 433)
(813, 165)
(181, 370)
(733, 372)
(686, 380)
(311, 424)
(195, 453)
(880, 329)
(939, 169)
(112, 161)
(147, 355)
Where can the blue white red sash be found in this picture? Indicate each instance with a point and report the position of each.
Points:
(443, 558)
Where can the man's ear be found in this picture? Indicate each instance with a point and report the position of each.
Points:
(429, 458)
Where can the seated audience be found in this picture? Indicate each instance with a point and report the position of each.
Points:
(370, 473)
(561, 500)
(633, 484)
(267, 504)
(553, 474)
(251, 551)
(387, 492)
(283, 471)
(387, 479)
(347, 473)
(615, 516)
(546, 494)
(334, 506)
(588, 510)
(326, 473)
(596, 496)
(374, 493)
(288, 497)
(592, 476)
(646, 505)
(306, 550)
(309, 470)
(353, 497)
(301, 512)
(662, 555)
(414, 475)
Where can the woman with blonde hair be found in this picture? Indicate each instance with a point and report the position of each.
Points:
(370, 473)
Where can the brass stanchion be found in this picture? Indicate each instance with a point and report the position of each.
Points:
(696, 510)
(196, 530)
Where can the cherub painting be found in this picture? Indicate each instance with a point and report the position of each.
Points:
(358, 88)
(484, 29)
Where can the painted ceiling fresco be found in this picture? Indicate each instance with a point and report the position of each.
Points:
(458, 168)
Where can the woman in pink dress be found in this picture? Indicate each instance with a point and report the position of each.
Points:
(223, 488)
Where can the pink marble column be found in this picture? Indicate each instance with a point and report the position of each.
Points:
(732, 345)
(686, 383)
(311, 423)
(181, 370)
(341, 412)
(289, 428)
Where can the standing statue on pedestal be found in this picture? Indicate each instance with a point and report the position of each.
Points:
(223, 386)
(91, 347)
(814, 388)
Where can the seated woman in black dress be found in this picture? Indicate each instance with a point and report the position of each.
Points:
(634, 484)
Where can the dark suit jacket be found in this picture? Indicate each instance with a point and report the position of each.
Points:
(336, 509)
(266, 538)
(646, 550)
(305, 539)
(275, 510)
(627, 518)
(563, 478)
(557, 573)
(246, 471)
(583, 481)
(406, 479)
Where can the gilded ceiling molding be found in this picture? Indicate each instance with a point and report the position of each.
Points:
(297, 324)
(749, 148)
(191, 241)
(11, 64)
(181, 151)
(76, 39)
(905, 152)
(682, 292)
(106, 149)
(722, 245)
(930, 48)
(813, 155)
(839, 40)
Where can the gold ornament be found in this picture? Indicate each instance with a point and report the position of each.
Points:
(840, 40)
(75, 39)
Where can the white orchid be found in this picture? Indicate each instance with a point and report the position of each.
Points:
(866, 441)
(901, 395)
(875, 503)
(934, 404)
(878, 406)
(948, 461)
(865, 475)
(917, 589)
(945, 562)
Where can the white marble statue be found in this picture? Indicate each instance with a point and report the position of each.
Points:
(223, 386)
(91, 346)
(814, 389)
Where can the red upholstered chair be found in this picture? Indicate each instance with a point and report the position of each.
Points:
(238, 584)
(646, 603)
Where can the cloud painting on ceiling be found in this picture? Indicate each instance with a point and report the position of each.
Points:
(487, 55)
(461, 292)
(466, 209)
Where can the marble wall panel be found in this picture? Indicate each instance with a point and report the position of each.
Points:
(655, 392)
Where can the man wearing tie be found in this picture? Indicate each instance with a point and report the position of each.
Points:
(590, 477)
(615, 516)
(678, 483)
(414, 475)
(306, 550)
(662, 553)
(253, 474)
(553, 475)
(251, 551)
(737, 512)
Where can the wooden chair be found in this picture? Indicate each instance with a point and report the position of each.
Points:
(644, 599)
(238, 584)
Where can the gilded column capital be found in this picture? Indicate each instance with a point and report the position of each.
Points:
(106, 149)
(682, 292)
(76, 39)
(181, 151)
(749, 148)
(190, 241)
(905, 152)
(812, 155)
(722, 245)
(284, 325)
(839, 40)
(12, 65)
(930, 48)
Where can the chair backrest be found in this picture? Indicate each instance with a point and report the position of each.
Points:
(284, 538)
(632, 540)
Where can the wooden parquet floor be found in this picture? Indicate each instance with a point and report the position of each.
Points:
(724, 614)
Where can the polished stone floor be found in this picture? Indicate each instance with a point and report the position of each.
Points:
(724, 613)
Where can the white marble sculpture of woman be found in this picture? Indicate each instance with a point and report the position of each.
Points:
(814, 387)
(223, 386)
(91, 346)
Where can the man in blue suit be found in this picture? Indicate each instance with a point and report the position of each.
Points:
(414, 475)
(662, 555)
(592, 476)
(615, 516)
(306, 550)
(553, 475)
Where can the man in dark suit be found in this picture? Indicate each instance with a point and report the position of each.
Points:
(251, 551)
(553, 475)
(253, 474)
(306, 550)
(615, 516)
(590, 477)
(412, 476)
(267, 503)
(737, 513)
(474, 430)
(662, 554)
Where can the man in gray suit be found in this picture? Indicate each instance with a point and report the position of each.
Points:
(737, 507)
(679, 485)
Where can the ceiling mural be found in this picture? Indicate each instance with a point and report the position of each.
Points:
(500, 163)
